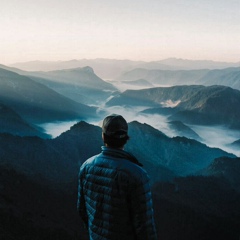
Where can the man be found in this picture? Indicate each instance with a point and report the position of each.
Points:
(114, 198)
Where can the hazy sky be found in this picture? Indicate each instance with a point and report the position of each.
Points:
(120, 29)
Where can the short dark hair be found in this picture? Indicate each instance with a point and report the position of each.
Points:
(115, 142)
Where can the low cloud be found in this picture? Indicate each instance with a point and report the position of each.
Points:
(170, 103)
(56, 128)
(214, 136)
(219, 137)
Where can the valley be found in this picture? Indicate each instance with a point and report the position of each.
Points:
(184, 127)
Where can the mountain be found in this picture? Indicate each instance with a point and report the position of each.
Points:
(80, 76)
(37, 103)
(47, 170)
(172, 155)
(112, 68)
(105, 68)
(227, 77)
(164, 77)
(12, 69)
(154, 96)
(36, 158)
(84, 140)
(80, 84)
(191, 104)
(211, 105)
(53, 161)
(183, 130)
(180, 155)
(167, 111)
(186, 64)
(227, 168)
(11, 122)
(236, 144)
(162, 156)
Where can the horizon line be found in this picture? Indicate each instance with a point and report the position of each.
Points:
(122, 59)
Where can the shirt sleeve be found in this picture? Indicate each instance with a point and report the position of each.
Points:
(141, 210)
(81, 207)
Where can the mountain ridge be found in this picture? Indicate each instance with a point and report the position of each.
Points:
(110, 69)
(227, 76)
(11, 122)
(79, 84)
(37, 103)
(173, 156)
(196, 104)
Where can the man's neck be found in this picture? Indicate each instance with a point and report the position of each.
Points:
(120, 148)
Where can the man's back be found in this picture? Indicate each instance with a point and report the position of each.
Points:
(114, 197)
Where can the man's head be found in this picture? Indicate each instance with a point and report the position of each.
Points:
(115, 131)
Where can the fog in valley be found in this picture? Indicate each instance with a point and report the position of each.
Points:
(218, 136)
(56, 128)
(127, 85)
(212, 136)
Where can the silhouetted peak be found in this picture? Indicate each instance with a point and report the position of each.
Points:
(88, 69)
(145, 128)
(236, 143)
(80, 125)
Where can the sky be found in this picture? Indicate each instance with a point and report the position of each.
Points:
(148, 30)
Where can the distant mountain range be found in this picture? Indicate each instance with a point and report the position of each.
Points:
(186, 64)
(227, 77)
(183, 130)
(12, 69)
(139, 74)
(196, 104)
(112, 68)
(80, 84)
(164, 77)
(37, 103)
(236, 144)
(105, 68)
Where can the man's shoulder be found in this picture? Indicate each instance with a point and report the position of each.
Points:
(137, 172)
(123, 166)
(89, 161)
